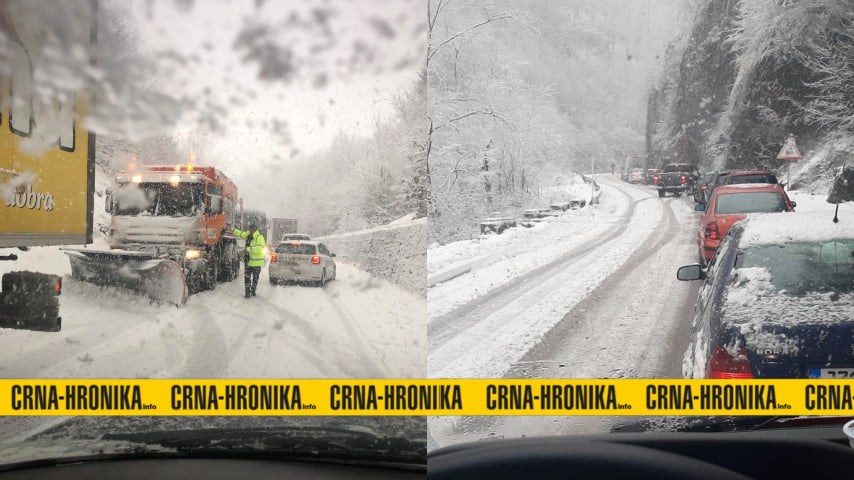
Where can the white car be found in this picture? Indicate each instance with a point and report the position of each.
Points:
(300, 261)
(288, 237)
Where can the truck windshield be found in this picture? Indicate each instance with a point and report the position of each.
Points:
(159, 199)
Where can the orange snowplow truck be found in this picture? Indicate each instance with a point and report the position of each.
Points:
(167, 233)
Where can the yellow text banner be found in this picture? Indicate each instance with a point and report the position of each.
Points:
(434, 397)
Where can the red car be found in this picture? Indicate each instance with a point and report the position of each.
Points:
(730, 204)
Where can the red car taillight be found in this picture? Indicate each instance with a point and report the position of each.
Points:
(712, 232)
(724, 365)
(57, 287)
(683, 179)
(315, 259)
(274, 257)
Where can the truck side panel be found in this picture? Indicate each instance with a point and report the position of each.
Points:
(47, 157)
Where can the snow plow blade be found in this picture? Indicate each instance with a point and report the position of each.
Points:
(158, 278)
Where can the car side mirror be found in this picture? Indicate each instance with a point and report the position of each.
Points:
(700, 207)
(690, 272)
(794, 204)
(331, 254)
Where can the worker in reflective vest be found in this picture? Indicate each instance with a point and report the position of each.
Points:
(255, 248)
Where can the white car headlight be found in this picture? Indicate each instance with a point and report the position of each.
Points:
(192, 254)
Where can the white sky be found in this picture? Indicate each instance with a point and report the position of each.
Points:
(207, 31)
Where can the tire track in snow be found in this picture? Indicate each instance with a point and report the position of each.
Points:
(208, 354)
(446, 326)
(501, 330)
(361, 341)
(619, 330)
(314, 339)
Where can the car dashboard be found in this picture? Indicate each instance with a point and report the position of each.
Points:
(803, 452)
(211, 469)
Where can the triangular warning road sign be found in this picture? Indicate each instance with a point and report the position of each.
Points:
(790, 150)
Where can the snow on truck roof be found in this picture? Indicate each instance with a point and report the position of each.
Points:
(813, 226)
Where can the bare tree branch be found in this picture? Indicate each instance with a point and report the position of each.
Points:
(490, 19)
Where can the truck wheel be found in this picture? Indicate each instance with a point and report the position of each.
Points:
(211, 276)
(661, 193)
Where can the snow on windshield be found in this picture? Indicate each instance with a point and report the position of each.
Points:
(315, 111)
(792, 284)
(807, 226)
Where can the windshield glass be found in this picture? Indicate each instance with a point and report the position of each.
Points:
(590, 292)
(740, 179)
(677, 168)
(296, 249)
(800, 268)
(750, 202)
(159, 199)
(309, 116)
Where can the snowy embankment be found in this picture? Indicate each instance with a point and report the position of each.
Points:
(521, 284)
(395, 252)
(485, 263)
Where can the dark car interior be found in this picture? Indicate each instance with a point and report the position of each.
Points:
(798, 452)
(209, 468)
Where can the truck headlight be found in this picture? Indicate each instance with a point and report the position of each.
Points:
(192, 254)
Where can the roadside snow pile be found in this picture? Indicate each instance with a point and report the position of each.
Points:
(569, 188)
(396, 251)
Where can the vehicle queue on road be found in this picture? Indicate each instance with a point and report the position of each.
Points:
(777, 299)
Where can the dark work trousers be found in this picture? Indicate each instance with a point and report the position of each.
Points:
(250, 279)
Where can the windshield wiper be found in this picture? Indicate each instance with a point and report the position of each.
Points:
(315, 442)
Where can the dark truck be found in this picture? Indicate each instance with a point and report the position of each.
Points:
(677, 178)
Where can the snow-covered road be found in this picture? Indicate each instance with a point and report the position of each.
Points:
(357, 327)
(599, 299)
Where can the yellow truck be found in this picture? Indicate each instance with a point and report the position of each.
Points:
(47, 159)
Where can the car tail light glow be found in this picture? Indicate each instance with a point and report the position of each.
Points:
(274, 257)
(682, 179)
(315, 259)
(57, 287)
(712, 232)
(724, 365)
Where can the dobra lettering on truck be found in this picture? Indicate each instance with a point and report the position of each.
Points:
(30, 199)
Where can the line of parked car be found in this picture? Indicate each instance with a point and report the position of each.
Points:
(777, 299)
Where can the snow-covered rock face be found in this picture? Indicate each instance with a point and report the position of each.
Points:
(150, 230)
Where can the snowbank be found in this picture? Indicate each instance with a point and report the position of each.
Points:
(396, 252)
